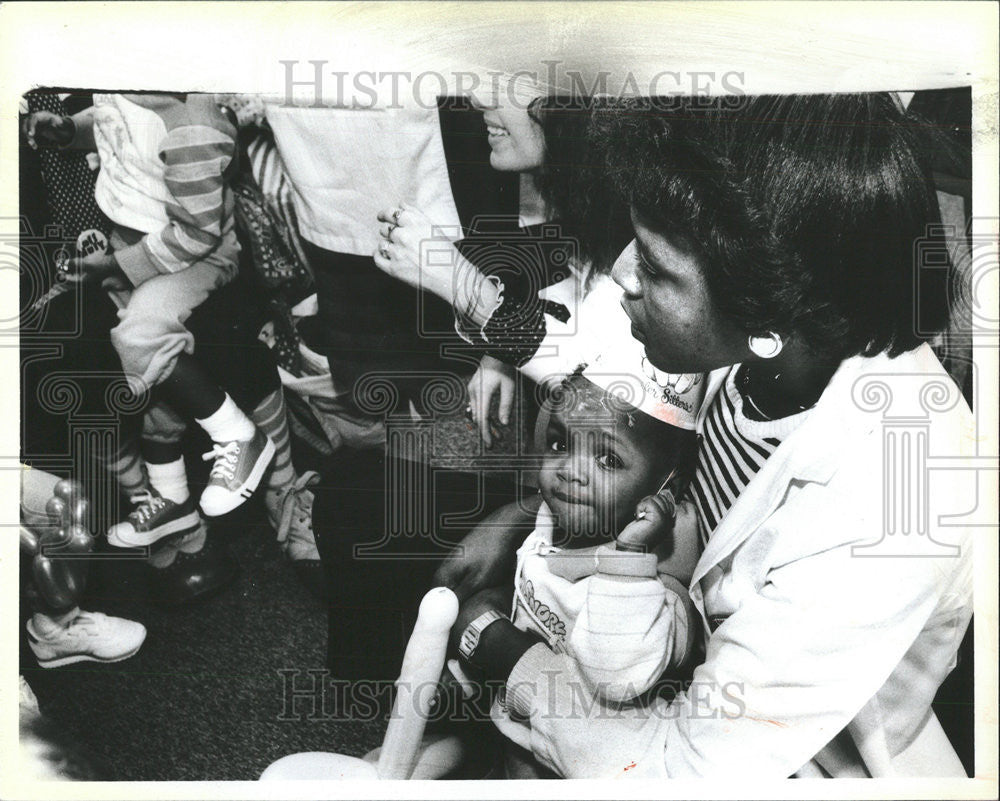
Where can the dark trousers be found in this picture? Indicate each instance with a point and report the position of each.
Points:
(370, 324)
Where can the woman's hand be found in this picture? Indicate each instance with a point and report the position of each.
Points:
(654, 521)
(45, 129)
(403, 232)
(412, 249)
(492, 376)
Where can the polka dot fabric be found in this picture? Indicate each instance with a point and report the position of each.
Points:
(69, 182)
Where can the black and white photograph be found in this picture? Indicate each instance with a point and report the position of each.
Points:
(478, 393)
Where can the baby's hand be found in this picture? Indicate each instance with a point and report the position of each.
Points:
(95, 267)
(47, 129)
(654, 520)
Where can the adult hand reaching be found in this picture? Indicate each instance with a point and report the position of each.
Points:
(414, 250)
(404, 232)
(45, 129)
(493, 376)
(487, 555)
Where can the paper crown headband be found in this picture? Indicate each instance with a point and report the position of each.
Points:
(673, 398)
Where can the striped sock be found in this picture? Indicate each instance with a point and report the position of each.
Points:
(128, 468)
(270, 417)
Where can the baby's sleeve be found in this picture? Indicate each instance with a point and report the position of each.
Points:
(636, 623)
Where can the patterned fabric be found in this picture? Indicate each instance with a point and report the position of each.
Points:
(183, 174)
(267, 221)
(733, 449)
(521, 262)
(269, 174)
(68, 179)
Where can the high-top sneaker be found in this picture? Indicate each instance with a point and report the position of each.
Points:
(154, 518)
(238, 469)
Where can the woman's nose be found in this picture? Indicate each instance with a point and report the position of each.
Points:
(482, 99)
(624, 271)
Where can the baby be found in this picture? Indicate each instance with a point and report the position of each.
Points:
(617, 606)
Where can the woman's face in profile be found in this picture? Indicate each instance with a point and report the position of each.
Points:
(667, 300)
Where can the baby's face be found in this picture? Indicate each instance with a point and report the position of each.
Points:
(593, 473)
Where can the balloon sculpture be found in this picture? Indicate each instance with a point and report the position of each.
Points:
(416, 688)
(58, 548)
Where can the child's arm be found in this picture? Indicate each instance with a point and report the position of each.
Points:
(195, 157)
(637, 620)
(45, 129)
(485, 558)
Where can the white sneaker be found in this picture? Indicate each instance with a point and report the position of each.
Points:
(89, 637)
(27, 703)
(290, 513)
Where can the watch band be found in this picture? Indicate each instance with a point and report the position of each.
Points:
(469, 641)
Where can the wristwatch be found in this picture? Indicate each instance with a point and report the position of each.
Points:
(469, 641)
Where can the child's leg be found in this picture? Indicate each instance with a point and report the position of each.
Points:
(288, 498)
(156, 347)
(59, 633)
(163, 502)
(127, 467)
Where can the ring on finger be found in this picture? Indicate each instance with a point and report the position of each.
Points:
(383, 249)
(395, 218)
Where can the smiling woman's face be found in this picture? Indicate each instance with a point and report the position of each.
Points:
(672, 314)
(516, 140)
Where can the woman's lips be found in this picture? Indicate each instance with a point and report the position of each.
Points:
(637, 334)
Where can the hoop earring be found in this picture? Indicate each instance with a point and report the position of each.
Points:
(766, 347)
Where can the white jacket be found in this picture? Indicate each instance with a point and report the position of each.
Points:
(828, 638)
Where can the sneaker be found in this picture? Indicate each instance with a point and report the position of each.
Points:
(238, 469)
(291, 515)
(90, 637)
(27, 702)
(154, 518)
(295, 533)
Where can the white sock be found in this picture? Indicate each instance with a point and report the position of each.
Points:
(228, 423)
(170, 480)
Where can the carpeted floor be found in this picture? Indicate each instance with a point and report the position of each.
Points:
(225, 686)
(205, 698)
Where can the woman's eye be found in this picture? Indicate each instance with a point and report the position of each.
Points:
(557, 446)
(610, 461)
(644, 265)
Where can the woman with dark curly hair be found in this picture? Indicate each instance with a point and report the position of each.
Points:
(527, 300)
(782, 246)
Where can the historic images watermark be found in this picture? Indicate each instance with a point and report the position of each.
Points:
(314, 695)
(313, 84)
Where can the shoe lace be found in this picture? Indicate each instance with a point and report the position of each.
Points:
(298, 498)
(225, 457)
(148, 505)
(88, 623)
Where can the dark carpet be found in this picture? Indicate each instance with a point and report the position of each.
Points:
(207, 695)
